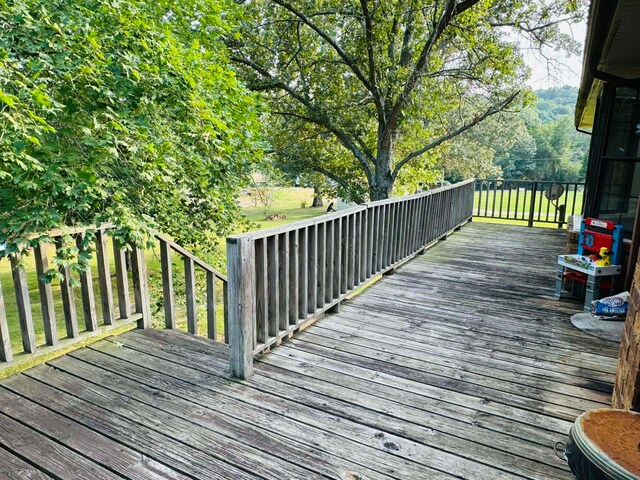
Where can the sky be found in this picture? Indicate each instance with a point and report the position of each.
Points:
(570, 70)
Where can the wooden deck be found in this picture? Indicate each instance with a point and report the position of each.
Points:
(460, 365)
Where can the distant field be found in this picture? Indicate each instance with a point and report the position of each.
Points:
(288, 201)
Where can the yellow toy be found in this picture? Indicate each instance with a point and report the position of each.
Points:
(604, 257)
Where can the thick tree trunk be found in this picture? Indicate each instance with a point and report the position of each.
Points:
(317, 197)
(382, 181)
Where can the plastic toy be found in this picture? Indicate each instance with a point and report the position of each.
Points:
(604, 257)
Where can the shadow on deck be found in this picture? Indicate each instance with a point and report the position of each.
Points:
(461, 365)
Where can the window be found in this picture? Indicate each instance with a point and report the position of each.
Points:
(619, 183)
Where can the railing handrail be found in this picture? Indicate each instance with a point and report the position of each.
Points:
(98, 294)
(283, 278)
(267, 232)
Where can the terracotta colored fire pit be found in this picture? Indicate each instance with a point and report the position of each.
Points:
(605, 444)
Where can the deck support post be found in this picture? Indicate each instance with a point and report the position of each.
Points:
(242, 312)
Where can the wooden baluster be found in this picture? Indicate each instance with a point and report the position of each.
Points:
(104, 279)
(6, 355)
(262, 299)
(241, 269)
(273, 285)
(337, 258)
(190, 290)
(225, 301)
(312, 262)
(364, 246)
(371, 225)
(212, 329)
(86, 292)
(303, 270)
(46, 297)
(140, 286)
(293, 277)
(168, 295)
(283, 280)
(357, 247)
(380, 240)
(329, 253)
(351, 255)
(68, 300)
(122, 282)
(344, 245)
(321, 264)
(25, 316)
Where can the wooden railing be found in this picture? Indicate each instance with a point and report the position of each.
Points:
(530, 201)
(130, 300)
(283, 278)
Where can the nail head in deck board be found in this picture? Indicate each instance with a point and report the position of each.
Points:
(68, 300)
(168, 296)
(212, 330)
(104, 278)
(86, 293)
(190, 293)
(46, 297)
(122, 282)
(23, 302)
(6, 354)
(242, 311)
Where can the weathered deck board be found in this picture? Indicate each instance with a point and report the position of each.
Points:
(461, 365)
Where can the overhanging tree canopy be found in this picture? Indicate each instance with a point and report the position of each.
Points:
(120, 111)
(387, 80)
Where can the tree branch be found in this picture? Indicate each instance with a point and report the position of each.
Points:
(370, 57)
(450, 11)
(476, 120)
(345, 58)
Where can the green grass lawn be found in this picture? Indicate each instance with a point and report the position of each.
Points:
(288, 202)
(517, 204)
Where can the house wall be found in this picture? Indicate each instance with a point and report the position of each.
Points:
(626, 393)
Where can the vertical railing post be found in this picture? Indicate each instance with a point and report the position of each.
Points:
(140, 286)
(242, 315)
(532, 208)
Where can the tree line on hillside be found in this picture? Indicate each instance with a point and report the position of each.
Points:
(153, 114)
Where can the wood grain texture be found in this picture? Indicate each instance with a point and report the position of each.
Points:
(87, 294)
(6, 354)
(46, 297)
(23, 302)
(104, 279)
(122, 282)
(68, 299)
(168, 296)
(422, 375)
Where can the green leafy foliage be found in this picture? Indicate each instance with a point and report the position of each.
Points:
(121, 111)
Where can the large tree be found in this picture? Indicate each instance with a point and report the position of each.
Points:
(120, 111)
(388, 81)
